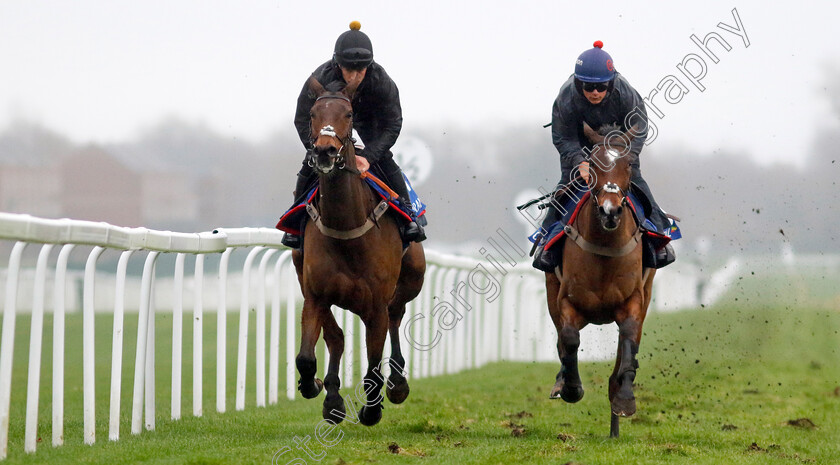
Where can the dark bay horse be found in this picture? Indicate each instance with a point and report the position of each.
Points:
(353, 258)
(602, 280)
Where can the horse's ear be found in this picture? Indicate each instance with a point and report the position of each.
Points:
(590, 134)
(631, 133)
(351, 87)
(315, 87)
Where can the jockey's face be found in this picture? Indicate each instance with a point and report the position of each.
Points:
(595, 97)
(351, 75)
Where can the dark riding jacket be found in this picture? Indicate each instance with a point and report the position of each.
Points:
(571, 109)
(377, 115)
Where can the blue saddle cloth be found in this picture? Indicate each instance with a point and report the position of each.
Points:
(570, 206)
(294, 219)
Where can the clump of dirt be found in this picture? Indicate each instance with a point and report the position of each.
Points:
(516, 430)
(520, 415)
(756, 448)
(802, 423)
(394, 448)
(728, 427)
(565, 437)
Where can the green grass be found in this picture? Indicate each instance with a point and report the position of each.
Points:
(715, 386)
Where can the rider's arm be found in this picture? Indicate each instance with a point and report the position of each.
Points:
(390, 120)
(564, 132)
(634, 107)
(302, 120)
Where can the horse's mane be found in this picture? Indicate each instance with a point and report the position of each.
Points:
(608, 128)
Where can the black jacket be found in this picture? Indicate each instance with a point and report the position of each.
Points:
(571, 109)
(377, 115)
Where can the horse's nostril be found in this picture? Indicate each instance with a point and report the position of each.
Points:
(325, 150)
(619, 210)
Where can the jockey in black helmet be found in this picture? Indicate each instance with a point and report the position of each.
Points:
(598, 95)
(377, 117)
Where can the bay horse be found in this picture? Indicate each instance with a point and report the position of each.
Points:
(601, 279)
(352, 257)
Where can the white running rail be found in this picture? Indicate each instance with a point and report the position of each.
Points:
(461, 319)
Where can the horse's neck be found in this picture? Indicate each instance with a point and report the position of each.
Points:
(592, 230)
(343, 201)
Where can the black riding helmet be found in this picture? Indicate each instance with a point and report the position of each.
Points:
(353, 49)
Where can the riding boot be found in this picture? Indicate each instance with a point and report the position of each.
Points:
(411, 232)
(665, 256)
(304, 178)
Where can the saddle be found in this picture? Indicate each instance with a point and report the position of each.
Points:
(571, 202)
(294, 220)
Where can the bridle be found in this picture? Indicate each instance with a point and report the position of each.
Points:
(629, 246)
(611, 188)
(339, 157)
(340, 162)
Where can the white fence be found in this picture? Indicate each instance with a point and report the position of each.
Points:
(468, 314)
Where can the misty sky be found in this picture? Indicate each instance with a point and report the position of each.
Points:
(104, 70)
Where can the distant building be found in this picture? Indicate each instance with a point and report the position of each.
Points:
(35, 190)
(169, 200)
(97, 187)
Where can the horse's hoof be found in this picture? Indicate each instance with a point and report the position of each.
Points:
(623, 407)
(399, 392)
(370, 416)
(571, 394)
(568, 392)
(312, 390)
(334, 409)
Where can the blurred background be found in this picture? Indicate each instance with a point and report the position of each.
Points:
(178, 115)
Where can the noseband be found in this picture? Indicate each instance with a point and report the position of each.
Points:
(611, 188)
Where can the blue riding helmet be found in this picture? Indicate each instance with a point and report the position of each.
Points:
(594, 65)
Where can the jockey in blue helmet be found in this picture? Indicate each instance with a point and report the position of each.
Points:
(599, 95)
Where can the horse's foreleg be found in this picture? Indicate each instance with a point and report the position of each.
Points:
(568, 385)
(334, 337)
(397, 388)
(307, 365)
(622, 400)
(408, 286)
(376, 329)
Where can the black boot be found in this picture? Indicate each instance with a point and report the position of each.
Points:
(544, 260)
(291, 241)
(304, 178)
(665, 256)
(412, 232)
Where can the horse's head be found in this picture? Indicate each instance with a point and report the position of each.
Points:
(331, 128)
(609, 173)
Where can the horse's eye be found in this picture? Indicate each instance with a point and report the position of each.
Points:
(349, 114)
